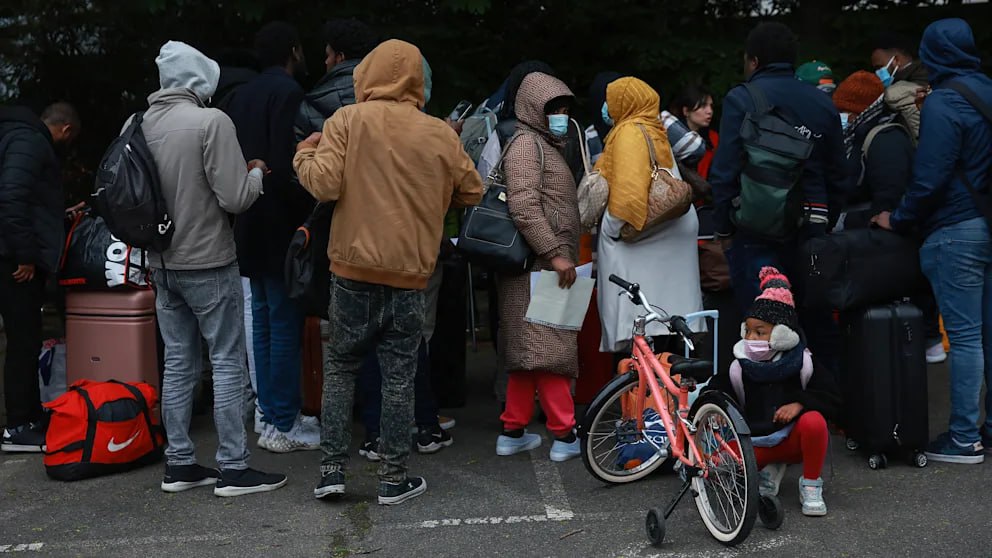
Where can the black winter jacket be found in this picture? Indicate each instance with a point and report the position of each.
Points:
(335, 90)
(886, 169)
(762, 399)
(263, 111)
(31, 201)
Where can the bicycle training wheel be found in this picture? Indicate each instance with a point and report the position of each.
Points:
(728, 493)
(614, 450)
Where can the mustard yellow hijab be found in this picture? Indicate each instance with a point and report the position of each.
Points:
(625, 161)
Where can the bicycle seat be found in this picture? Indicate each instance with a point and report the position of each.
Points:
(695, 368)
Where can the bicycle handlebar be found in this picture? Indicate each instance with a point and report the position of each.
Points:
(676, 324)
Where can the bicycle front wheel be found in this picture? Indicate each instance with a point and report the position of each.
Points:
(727, 493)
(614, 450)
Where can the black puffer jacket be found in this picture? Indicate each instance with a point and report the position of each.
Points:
(333, 91)
(31, 203)
(886, 169)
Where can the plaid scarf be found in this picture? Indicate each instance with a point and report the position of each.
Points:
(858, 128)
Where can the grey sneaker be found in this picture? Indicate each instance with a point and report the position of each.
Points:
(811, 497)
(297, 439)
(936, 354)
(770, 478)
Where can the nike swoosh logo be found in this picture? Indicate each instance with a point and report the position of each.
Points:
(114, 448)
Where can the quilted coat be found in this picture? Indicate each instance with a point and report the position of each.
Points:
(545, 209)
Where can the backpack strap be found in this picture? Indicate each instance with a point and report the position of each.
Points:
(870, 137)
(737, 380)
(90, 425)
(583, 147)
(757, 97)
(983, 204)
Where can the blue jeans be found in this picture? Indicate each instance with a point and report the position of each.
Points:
(189, 304)
(370, 387)
(277, 334)
(958, 261)
(747, 256)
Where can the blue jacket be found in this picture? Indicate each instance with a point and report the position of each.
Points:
(952, 134)
(824, 180)
(263, 111)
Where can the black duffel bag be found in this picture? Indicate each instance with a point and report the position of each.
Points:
(489, 237)
(307, 272)
(861, 267)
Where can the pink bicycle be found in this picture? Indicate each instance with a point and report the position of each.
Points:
(709, 441)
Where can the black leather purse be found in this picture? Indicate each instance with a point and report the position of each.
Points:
(488, 237)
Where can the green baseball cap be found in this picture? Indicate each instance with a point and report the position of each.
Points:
(817, 74)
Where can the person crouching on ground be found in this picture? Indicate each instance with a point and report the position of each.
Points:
(786, 398)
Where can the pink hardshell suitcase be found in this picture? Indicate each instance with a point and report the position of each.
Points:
(110, 335)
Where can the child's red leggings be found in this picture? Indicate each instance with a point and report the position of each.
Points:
(806, 444)
(554, 392)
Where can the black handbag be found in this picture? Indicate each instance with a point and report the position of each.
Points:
(489, 237)
(307, 269)
(858, 268)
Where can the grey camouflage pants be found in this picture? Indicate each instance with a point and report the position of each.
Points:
(366, 317)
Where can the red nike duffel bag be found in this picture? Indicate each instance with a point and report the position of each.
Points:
(100, 428)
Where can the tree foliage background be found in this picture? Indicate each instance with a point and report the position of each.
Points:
(99, 54)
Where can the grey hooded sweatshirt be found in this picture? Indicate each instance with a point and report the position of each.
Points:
(203, 172)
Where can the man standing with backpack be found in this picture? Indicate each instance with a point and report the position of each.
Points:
(779, 165)
(263, 111)
(949, 199)
(31, 214)
(204, 179)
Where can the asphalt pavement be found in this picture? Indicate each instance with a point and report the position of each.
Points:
(478, 504)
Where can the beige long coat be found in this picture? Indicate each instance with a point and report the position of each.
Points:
(545, 209)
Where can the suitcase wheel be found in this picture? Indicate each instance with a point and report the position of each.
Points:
(878, 461)
(919, 459)
(851, 444)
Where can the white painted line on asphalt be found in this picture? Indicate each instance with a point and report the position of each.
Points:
(556, 504)
(14, 461)
(31, 547)
(513, 519)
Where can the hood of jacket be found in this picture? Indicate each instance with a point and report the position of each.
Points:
(17, 116)
(393, 71)
(597, 96)
(948, 50)
(182, 66)
(172, 96)
(536, 91)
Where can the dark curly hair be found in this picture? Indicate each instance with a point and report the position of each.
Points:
(350, 37)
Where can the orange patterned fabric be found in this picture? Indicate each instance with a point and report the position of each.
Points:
(625, 161)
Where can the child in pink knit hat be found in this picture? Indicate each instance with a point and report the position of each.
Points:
(784, 395)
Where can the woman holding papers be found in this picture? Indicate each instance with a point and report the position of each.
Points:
(541, 195)
(665, 262)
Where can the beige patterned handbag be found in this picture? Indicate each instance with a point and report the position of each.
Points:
(669, 198)
(593, 192)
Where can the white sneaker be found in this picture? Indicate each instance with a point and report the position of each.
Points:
(259, 425)
(310, 424)
(936, 354)
(446, 423)
(297, 439)
(563, 451)
(811, 497)
(770, 478)
(265, 436)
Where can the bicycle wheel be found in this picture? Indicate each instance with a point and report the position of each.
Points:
(727, 496)
(614, 450)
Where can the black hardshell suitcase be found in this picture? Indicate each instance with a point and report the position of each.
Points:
(884, 381)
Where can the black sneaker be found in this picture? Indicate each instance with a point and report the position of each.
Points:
(27, 438)
(391, 494)
(179, 478)
(431, 440)
(370, 449)
(330, 483)
(238, 482)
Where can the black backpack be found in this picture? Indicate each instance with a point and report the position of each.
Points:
(128, 193)
(771, 201)
(307, 268)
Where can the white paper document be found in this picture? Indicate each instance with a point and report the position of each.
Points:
(580, 271)
(559, 308)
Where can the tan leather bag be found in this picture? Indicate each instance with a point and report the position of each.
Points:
(669, 198)
(593, 191)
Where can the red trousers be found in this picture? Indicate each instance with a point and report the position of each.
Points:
(554, 392)
(806, 444)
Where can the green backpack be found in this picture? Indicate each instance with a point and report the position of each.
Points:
(475, 132)
(771, 202)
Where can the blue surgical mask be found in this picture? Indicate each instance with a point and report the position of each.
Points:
(883, 73)
(558, 124)
(843, 120)
(606, 115)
